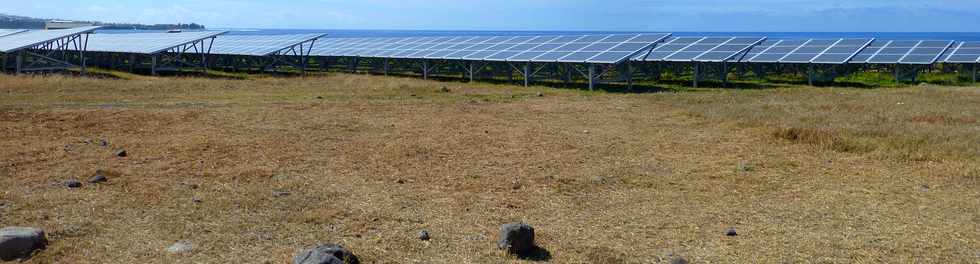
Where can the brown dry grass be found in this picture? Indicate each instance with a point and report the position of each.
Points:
(805, 174)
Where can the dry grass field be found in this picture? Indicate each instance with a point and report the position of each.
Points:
(806, 175)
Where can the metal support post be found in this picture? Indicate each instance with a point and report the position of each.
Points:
(20, 61)
(974, 70)
(425, 69)
(471, 71)
(724, 74)
(132, 62)
(153, 65)
(527, 74)
(567, 78)
(629, 76)
(386, 66)
(897, 72)
(809, 74)
(591, 77)
(697, 74)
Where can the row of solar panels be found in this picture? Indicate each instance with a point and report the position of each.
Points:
(613, 48)
(671, 49)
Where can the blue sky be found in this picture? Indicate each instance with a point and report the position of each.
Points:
(625, 15)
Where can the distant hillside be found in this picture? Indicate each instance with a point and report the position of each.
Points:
(11, 21)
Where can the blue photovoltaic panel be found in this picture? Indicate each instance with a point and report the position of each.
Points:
(728, 50)
(873, 48)
(580, 49)
(842, 51)
(756, 50)
(33, 38)
(778, 50)
(145, 43)
(260, 45)
(668, 48)
(6, 32)
(926, 52)
(837, 51)
(893, 51)
(903, 51)
(964, 52)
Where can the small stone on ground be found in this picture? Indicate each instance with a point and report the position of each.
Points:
(516, 238)
(19, 242)
(180, 247)
(73, 184)
(678, 260)
(424, 235)
(99, 177)
(121, 153)
(732, 232)
(326, 254)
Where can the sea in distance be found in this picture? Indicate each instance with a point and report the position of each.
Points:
(336, 33)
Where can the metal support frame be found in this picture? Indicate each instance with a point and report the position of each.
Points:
(974, 71)
(54, 54)
(724, 73)
(697, 74)
(386, 66)
(629, 76)
(183, 55)
(809, 74)
(296, 56)
(592, 77)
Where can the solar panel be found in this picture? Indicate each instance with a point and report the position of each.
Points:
(842, 51)
(904, 51)
(7, 32)
(580, 48)
(145, 43)
(258, 45)
(926, 52)
(964, 52)
(778, 50)
(32, 38)
(756, 50)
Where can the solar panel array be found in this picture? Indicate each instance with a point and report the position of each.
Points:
(963, 52)
(33, 38)
(145, 43)
(6, 32)
(903, 51)
(822, 51)
(581, 48)
(707, 49)
(259, 45)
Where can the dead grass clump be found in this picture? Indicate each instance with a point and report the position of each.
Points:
(835, 141)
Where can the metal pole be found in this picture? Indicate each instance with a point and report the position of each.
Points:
(20, 61)
(471, 71)
(724, 74)
(81, 53)
(153, 65)
(591, 77)
(974, 70)
(809, 74)
(527, 72)
(629, 76)
(567, 75)
(386, 66)
(697, 73)
(425, 69)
